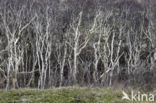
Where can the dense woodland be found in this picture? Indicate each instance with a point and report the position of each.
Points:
(47, 43)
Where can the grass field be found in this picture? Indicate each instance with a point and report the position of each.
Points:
(64, 95)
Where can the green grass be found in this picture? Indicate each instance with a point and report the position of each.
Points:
(63, 95)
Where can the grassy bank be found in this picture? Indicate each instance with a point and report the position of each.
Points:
(63, 95)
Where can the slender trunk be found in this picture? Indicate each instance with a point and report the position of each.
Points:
(63, 63)
(8, 78)
(75, 66)
(14, 80)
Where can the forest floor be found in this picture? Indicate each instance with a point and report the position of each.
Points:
(66, 95)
